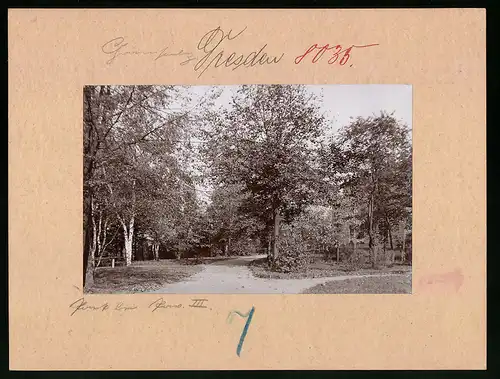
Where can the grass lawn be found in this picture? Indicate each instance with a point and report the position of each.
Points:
(379, 285)
(320, 268)
(141, 276)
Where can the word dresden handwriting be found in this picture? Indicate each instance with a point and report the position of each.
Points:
(211, 44)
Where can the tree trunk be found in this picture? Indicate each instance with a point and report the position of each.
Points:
(89, 246)
(156, 248)
(93, 247)
(105, 243)
(389, 237)
(99, 235)
(88, 269)
(386, 240)
(89, 151)
(391, 244)
(128, 235)
(338, 255)
(128, 249)
(89, 275)
(403, 246)
(102, 235)
(371, 243)
(276, 233)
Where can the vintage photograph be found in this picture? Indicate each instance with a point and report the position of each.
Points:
(257, 189)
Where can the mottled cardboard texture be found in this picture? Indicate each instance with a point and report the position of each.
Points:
(440, 52)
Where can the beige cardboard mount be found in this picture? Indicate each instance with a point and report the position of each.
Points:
(441, 325)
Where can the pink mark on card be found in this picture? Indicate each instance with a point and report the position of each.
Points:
(454, 278)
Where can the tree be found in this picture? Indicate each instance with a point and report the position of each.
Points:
(268, 143)
(121, 125)
(376, 155)
(232, 227)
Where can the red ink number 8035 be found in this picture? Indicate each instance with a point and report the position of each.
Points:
(336, 53)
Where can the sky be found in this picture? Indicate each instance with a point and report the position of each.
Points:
(341, 102)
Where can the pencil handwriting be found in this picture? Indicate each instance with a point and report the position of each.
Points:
(162, 304)
(120, 47)
(198, 303)
(213, 46)
(82, 305)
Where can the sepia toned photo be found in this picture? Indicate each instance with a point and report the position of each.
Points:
(257, 189)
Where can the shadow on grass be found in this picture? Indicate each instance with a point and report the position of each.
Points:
(394, 284)
(320, 268)
(140, 277)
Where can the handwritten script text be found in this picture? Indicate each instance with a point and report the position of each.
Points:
(211, 44)
(82, 305)
(336, 53)
(119, 47)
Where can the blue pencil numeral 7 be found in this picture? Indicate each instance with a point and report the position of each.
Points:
(248, 316)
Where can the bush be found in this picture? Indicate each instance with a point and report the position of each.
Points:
(355, 259)
(243, 247)
(289, 262)
(293, 257)
(293, 254)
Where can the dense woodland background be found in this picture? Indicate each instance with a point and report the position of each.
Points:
(170, 176)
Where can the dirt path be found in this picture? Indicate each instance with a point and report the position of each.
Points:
(233, 276)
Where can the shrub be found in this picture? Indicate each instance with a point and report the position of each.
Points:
(288, 262)
(293, 257)
(293, 253)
